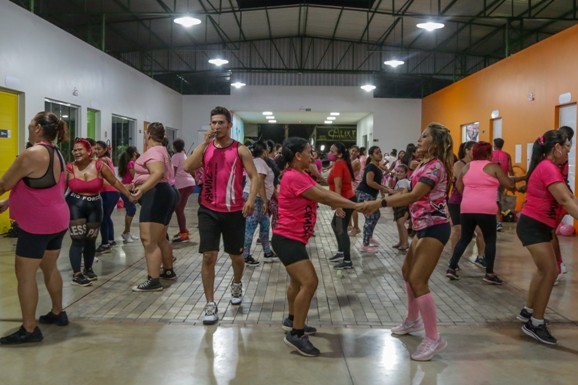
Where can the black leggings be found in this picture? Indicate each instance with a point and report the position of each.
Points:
(339, 226)
(487, 223)
(85, 219)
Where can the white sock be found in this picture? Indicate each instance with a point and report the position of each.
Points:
(537, 322)
(531, 311)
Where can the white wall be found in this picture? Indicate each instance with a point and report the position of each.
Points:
(396, 122)
(365, 127)
(41, 61)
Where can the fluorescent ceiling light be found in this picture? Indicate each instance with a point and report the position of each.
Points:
(187, 21)
(218, 62)
(394, 63)
(328, 122)
(270, 117)
(430, 26)
(272, 121)
(65, 116)
(331, 118)
(368, 87)
(238, 84)
(334, 114)
(267, 113)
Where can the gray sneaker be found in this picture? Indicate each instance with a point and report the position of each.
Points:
(236, 293)
(287, 326)
(302, 345)
(211, 314)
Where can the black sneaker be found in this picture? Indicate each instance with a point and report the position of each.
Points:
(452, 274)
(250, 261)
(499, 226)
(287, 326)
(103, 249)
(539, 333)
(151, 284)
(480, 262)
(302, 344)
(493, 279)
(81, 280)
(524, 315)
(60, 319)
(168, 274)
(337, 257)
(269, 257)
(22, 336)
(343, 265)
(89, 274)
(112, 243)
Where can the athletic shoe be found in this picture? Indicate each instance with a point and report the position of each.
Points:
(134, 237)
(151, 284)
(236, 293)
(368, 249)
(127, 238)
(181, 237)
(287, 325)
(302, 345)
(103, 249)
(428, 348)
(563, 268)
(60, 319)
(22, 336)
(112, 243)
(408, 327)
(493, 279)
(480, 262)
(250, 261)
(269, 257)
(525, 316)
(540, 333)
(337, 257)
(452, 274)
(90, 275)
(168, 274)
(81, 280)
(374, 242)
(559, 278)
(499, 226)
(211, 314)
(344, 265)
(353, 232)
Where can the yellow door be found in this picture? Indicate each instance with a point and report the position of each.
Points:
(8, 142)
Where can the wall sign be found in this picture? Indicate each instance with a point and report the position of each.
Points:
(5, 134)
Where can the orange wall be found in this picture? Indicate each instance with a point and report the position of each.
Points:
(547, 69)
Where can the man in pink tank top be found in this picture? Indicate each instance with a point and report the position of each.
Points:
(504, 160)
(222, 209)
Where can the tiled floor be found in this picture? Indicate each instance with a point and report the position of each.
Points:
(120, 337)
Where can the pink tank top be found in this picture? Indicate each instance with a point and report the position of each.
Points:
(106, 187)
(480, 190)
(501, 158)
(223, 180)
(85, 187)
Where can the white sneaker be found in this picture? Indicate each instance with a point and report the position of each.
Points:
(428, 348)
(563, 268)
(408, 327)
(134, 237)
(211, 314)
(236, 293)
(127, 238)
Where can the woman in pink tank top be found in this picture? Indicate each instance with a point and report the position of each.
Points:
(37, 183)
(479, 182)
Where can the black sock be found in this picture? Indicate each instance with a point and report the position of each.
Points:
(298, 332)
(291, 317)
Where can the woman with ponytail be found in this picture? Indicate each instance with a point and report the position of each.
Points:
(547, 198)
(126, 172)
(427, 207)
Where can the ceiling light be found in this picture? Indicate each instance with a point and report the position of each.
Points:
(331, 118)
(187, 21)
(394, 63)
(368, 87)
(238, 84)
(272, 121)
(218, 62)
(270, 117)
(328, 122)
(334, 113)
(267, 113)
(430, 26)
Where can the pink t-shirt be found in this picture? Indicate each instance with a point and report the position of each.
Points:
(431, 209)
(106, 187)
(480, 190)
(182, 178)
(540, 203)
(297, 214)
(501, 158)
(153, 154)
(127, 178)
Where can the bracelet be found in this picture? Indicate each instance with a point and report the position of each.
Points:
(384, 203)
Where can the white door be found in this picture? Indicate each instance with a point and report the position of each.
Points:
(567, 117)
(496, 128)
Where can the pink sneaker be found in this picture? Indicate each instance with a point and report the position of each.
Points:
(368, 249)
(428, 348)
(373, 242)
(408, 327)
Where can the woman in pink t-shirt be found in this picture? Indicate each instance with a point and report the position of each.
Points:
(185, 183)
(126, 172)
(547, 197)
(427, 207)
(298, 197)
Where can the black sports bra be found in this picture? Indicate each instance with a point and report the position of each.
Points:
(47, 180)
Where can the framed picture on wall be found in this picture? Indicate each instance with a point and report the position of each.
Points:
(471, 131)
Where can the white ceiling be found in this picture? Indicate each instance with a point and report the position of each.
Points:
(302, 117)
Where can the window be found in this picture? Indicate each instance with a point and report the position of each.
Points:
(123, 135)
(68, 113)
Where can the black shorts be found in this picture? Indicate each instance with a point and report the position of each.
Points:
(440, 232)
(158, 204)
(213, 224)
(454, 210)
(288, 250)
(34, 245)
(399, 212)
(531, 231)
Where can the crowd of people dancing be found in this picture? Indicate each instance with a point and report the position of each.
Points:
(435, 197)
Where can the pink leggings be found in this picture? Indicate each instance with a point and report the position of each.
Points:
(180, 209)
